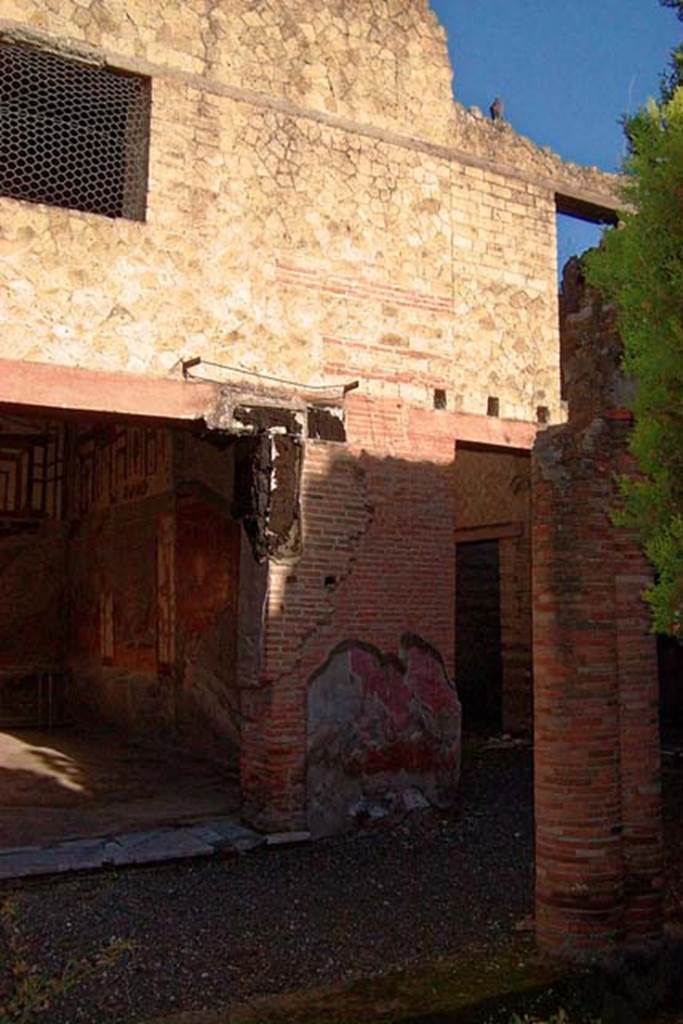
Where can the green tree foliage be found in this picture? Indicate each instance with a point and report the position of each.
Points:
(640, 267)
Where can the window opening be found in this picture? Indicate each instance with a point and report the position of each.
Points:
(71, 134)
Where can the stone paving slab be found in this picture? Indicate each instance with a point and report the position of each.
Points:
(222, 832)
(79, 855)
(204, 839)
(155, 846)
(287, 838)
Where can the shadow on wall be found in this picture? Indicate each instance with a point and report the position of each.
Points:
(339, 727)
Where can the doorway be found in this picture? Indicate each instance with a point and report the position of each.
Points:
(479, 662)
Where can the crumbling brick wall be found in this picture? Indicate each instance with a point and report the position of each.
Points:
(377, 518)
(597, 784)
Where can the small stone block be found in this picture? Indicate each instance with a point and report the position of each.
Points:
(74, 856)
(287, 838)
(149, 847)
(230, 833)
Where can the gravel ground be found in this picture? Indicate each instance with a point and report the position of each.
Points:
(208, 933)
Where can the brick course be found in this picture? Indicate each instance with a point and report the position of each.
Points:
(377, 518)
(597, 772)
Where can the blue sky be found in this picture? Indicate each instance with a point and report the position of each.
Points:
(567, 70)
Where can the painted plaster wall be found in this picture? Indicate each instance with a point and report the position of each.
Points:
(114, 552)
(383, 736)
(32, 599)
(207, 586)
(181, 686)
(308, 211)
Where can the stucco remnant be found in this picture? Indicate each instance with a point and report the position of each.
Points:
(268, 475)
(383, 735)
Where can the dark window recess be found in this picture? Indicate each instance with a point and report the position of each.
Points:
(268, 417)
(325, 424)
(71, 134)
(542, 414)
(439, 398)
(493, 406)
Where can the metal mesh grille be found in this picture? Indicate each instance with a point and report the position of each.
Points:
(71, 134)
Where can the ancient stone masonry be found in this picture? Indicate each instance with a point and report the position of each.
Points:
(316, 202)
(598, 842)
(341, 310)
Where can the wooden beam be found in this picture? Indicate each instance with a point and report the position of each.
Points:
(492, 531)
(586, 207)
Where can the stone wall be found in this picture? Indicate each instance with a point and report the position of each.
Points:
(317, 208)
(320, 210)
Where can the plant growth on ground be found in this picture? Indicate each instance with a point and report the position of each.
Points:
(25, 990)
(639, 266)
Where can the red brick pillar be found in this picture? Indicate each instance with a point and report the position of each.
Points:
(597, 796)
(639, 728)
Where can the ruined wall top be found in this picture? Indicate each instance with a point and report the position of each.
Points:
(593, 380)
(379, 63)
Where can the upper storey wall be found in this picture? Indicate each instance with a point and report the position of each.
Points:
(384, 62)
(294, 226)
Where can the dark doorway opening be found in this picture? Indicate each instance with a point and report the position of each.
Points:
(479, 663)
(670, 658)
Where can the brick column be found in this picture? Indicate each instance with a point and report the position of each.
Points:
(639, 728)
(597, 796)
